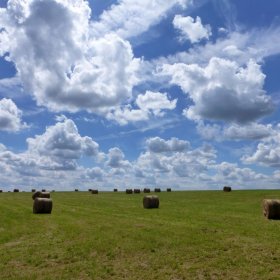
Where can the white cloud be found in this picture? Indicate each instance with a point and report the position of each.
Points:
(60, 63)
(149, 104)
(222, 90)
(155, 102)
(159, 145)
(62, 141)
(116, 159)
(10, 116)
(132, 18)
(191, 29)
(251, 131)
(267, 152)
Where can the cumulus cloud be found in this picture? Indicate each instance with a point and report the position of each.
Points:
(230, 172)
(267, 152)
(10, 116)
(60, 63)
(131, 18)
(159, 145)
(62, 141)
(251, 131)
(149, 104)
(222, 90)
(191, 29)
(116, 159)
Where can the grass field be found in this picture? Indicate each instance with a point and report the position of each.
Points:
(193, 235)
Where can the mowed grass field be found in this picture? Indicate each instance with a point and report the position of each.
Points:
(193, 235)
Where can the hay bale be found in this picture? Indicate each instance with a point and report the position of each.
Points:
(94, 191)
(33, 190)
(41, 195)
(136, 191)
(146, 190)
(128, 191)
(151, 201)
(76, 190)
(115, 190)
(271, 209)
(227, 189)
(157, 190)
(42, 205)
(16, 190)
(168, 189)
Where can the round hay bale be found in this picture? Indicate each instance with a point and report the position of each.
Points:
(271, 209)
(16, 190)
(151, 201)
(146, 190)
(94, 191)
(136, 191)
(41, 194)
(42, 205)
(33, 190)
(168, 189)
(157, 190)
(115, 190)
(128, 191)
(227, 189)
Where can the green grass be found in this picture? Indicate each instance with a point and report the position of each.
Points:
(193, 235)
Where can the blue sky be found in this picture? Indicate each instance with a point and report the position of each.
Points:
(131, 93)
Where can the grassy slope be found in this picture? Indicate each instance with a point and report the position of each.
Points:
(194, 235)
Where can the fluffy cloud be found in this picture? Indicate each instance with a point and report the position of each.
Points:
(60, 63)
(191, 29)
(229, 172)
(222, 90)
(251, 131)
(62, 142)
(159, 145)
(131, 18)
(116, 159)
(267, 152)
(149, 104)
(10, 116)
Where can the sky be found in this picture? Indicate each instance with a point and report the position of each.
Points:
(139, 93)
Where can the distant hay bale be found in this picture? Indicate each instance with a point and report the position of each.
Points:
(136, 191)
(115, 190)
(271, 209)
(94, 191)
(146, 190)
(16, 190)
(157, 190)
(76, 190)
(151, 201)
(41, 195)
(33, 190)
(42, 205)
(168, 189)
(227, 189)
(128, 191)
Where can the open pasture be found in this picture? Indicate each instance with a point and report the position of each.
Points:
(193, 235)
